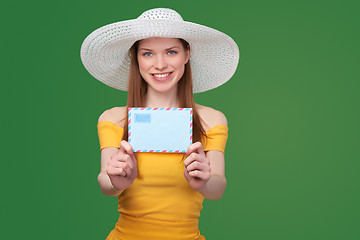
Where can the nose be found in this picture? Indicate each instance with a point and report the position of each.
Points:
(160, 62)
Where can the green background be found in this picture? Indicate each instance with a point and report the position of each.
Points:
(292, 158)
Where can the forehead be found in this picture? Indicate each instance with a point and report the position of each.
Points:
(159, 43)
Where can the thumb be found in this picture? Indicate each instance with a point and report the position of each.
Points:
(134, 159)
(126, 148)
(186, 174)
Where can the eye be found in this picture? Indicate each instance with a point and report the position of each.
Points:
(171, 52)
(147, 54)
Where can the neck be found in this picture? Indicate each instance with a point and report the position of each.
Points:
(161, 99)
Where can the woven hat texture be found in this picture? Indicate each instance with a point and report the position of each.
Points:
(214, 56)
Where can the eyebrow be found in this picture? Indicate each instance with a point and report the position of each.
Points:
(146, 49)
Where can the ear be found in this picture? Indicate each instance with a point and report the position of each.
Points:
(187, 54)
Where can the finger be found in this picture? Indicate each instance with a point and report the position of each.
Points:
(123, 165)
(192, 157)
(123, 157)
(125, 147)
(186, 174)
(196, 157)
(199, 174)
(196, 165)
(116, 171)
(127, 170)
(195, 147)
(122, 172)
(130, 161)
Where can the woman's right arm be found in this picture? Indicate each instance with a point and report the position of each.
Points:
(103, 178)
(118, 165)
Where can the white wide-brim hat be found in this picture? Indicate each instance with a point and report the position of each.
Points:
(214, 56)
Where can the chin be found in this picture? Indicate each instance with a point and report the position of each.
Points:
(162, 89)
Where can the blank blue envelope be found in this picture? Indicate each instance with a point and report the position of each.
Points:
(160, 129)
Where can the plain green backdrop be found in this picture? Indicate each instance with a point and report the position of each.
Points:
(292, 158)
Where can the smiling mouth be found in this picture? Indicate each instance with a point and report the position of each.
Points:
(162, 75)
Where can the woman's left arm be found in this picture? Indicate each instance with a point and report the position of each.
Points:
(205, 172)
(216, 185)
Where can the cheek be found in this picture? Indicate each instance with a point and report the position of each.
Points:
(144, 63)
(178, 62)
(141, 68)
(180, 66)
(144, 66)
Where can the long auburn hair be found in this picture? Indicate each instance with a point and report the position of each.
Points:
(137, 88)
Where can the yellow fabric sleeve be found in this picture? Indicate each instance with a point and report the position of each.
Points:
(217, 137)
(110, 134)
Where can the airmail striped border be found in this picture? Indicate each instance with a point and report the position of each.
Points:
(160, 109)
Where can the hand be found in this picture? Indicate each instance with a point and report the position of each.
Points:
(122, 167)
(197, 166)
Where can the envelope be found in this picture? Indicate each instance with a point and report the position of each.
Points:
(160, 129)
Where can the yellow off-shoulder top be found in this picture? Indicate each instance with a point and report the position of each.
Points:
(160, 204)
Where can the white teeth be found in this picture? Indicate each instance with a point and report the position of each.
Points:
(162, 75)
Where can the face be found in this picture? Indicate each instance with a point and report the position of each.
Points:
(162, 62)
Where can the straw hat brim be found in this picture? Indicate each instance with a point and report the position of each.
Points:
(214, 56)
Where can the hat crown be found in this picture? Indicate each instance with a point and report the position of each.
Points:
(160, 13)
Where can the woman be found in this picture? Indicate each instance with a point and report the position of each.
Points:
(161, 194)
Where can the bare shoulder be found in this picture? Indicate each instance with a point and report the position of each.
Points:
(211, 117)
(116, 115)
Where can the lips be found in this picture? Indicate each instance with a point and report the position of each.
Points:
(162, 76)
